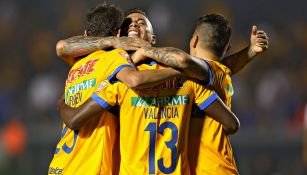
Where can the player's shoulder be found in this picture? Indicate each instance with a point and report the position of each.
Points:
(106, 84)
(119, 52)
(86, 59)
(97, 53)
(218, 67)
(192, 83)
(106, 55)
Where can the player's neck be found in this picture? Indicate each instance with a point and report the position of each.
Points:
(204, 54)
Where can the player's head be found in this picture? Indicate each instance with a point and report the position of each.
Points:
(212, 33)
(103, 20)
(137, 25)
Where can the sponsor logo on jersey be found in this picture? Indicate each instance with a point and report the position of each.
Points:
(175, 83)
(229, 89)
(84, 69)
(86, 84)
(75, 99)
(160, 101)
(55, 170)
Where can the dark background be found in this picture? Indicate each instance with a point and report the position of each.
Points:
(270, 93)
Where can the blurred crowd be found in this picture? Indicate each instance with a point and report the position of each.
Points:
(270, 96)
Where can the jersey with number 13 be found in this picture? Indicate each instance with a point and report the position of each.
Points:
(154, 123)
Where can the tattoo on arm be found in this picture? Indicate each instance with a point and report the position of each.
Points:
(81, 45)
(192, 66)
(167, 55)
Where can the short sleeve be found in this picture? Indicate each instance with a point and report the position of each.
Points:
(204, 97)
(209, 82)
(106, 94)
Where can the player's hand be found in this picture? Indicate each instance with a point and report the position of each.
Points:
(129, 44)
(259, 41)
(138, 55)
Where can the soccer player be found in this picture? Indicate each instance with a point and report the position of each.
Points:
(89, 150)
(210, 151)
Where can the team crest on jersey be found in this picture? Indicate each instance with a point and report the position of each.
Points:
(101, 86)
(229, 89)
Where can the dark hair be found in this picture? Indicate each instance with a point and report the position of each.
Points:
(103, 20)
(214, 31)
(136, 10)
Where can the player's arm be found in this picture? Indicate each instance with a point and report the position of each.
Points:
(103, 99)
(259, 43)
(219, 112)
(69, 50)
(209, 102)
(145, 78)
(193, 67)
(74, 118)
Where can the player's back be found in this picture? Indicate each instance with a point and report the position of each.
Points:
(88, 150)
(154, 124)
(210, 151)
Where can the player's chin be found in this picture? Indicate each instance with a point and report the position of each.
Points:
(135, 36)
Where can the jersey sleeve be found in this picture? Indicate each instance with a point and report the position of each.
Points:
(108, 95)
(120, 59)
(217, 75)
(203, 96)
(209, 82)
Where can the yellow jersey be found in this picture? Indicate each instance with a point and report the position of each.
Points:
(89, 150)
(154, 123)
(210, 151)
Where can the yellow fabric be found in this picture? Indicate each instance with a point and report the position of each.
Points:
(210, 151)
(89, 150)
(154, 123)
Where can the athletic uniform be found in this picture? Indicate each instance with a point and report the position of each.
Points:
(210, 151)
(89, 150)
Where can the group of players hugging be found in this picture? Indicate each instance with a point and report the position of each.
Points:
(134, 109)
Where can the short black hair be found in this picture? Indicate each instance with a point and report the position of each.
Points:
(136, 10)
(103, 20)
(215, 32)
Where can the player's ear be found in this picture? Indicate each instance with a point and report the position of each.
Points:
(85, 33)
(195, 41)
(153, 39)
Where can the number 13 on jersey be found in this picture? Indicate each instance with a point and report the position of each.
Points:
(171, 144)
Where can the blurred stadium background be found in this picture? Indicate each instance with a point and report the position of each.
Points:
(270, 94)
